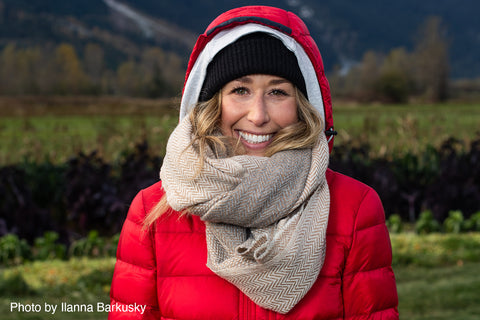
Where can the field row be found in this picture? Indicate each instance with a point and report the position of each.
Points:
(56, 130)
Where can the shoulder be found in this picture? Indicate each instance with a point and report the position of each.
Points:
(152, 194)
(170, 222)
(353, 204)
(349, 189)
(144, 201)
(340, 183)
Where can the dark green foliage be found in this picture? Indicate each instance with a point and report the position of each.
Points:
(47, 247)
(91, 195)
(427, 223)
(19, 212)
(394, 223)
(80, 205)
(455, 223)
(60, 205)
(94, 245)
(72, 199)
(13, 250)
(473, 224)
(437, 180)
(435, 249)
(98, 194)
(457, 184)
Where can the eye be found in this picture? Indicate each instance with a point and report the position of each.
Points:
(239, 90)
(278, 92)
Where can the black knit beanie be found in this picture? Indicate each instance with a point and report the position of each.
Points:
(256, 53)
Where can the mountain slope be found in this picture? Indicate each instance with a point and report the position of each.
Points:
(344, 29)
(123, 32)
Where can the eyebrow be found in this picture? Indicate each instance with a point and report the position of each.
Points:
(279, 81)
(247, 79)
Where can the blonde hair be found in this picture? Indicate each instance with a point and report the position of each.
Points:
(205, 119)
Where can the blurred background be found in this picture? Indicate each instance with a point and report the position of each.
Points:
(89, 93)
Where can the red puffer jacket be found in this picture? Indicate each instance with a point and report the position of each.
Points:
(165, 268)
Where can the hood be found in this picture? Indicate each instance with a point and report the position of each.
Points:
(284, 25)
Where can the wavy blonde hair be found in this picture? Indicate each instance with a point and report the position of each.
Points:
(206, 118)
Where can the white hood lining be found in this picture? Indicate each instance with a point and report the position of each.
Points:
(224, 38)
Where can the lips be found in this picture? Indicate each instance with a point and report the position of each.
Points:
(255, 138)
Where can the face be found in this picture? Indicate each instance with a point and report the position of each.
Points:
(255, 108)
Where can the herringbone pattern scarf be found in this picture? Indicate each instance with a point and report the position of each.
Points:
(266, 218)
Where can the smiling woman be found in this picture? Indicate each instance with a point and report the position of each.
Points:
(248, 221)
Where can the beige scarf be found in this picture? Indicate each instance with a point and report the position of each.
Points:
(266, 217)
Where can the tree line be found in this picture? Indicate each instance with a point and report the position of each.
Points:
(61, 70)
(400, 75)
(394, 77)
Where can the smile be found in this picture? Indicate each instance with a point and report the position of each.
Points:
(254, 138)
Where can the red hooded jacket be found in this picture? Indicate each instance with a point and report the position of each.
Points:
(161, 272)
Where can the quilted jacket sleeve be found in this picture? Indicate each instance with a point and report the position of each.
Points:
(369, 284)
(133, 292)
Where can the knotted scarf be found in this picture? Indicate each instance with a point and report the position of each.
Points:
(265, 217)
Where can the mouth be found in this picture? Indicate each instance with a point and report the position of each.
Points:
(254, 138)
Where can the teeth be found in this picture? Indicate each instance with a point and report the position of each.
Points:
(253, 138)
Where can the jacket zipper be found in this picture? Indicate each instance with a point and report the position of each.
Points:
(247, 308)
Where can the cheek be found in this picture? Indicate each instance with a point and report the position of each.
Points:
(225, 125)
(228, 117)
(288, 116)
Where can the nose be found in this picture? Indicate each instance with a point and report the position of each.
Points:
(258, 113)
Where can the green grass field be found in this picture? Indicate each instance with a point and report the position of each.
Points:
(437, 275)
(439, 293)
(406, 128)
(56, 128)
(56, 138)
(441, 285)
(75, 282)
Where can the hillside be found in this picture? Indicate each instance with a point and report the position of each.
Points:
(122, 32)
(344, 29)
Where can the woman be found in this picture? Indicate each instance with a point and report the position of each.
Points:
(247, 221)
